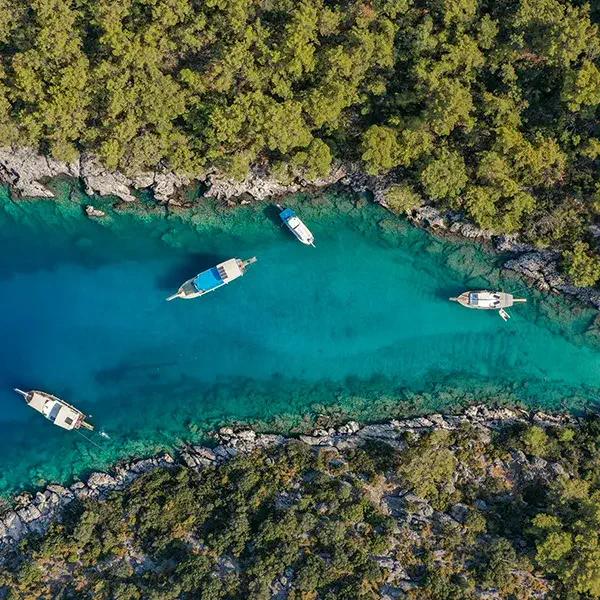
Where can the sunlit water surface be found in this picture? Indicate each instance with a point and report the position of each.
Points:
(360, 323)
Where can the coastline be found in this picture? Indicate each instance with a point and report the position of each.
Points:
(27, 174)
(33, 514)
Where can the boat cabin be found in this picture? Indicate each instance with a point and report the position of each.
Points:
(485, 299)
(211, 279)
(57, 411)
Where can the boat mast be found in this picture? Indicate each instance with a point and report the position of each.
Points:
(22, 393)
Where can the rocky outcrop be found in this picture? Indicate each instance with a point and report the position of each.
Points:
(260, 184)
(25, 171)
(34, 513)
(94, 213)
(101, 181)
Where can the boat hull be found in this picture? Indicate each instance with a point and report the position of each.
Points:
(300, 231)
(212, 279)
(486, 300)
(57, 411)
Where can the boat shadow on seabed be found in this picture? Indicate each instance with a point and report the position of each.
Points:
(189, 264)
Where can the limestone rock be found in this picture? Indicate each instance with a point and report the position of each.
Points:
(470, 231)
(94, 213)
(101, 480)
(99, 180)
(166, 186)
(24, 170)
(428, 216)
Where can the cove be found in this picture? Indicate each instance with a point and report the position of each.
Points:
(360, 324)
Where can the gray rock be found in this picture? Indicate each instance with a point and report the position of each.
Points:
(29, 513)
(99, 180)
(539, 463)
(166, 186)
(511, 243)
(558, 470)
(94, 213)
(393, 566)
(519, 457)
(101, 481)
(470, 231)
(428, 216)
(459, 512)
(14, 527)
(24, 169)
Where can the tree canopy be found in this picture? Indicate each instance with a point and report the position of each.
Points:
(486, 107)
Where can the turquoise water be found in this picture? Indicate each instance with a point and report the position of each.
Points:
(358, 324)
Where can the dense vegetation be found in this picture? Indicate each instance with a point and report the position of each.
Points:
(485, 106)
(517, 516)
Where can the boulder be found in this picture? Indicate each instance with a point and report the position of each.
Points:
(428, 216)
(94, 213)
(166, 186)
(99, 180)
(13, 525)
(101, 481)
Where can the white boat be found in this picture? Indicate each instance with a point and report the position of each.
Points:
(55, 410)
(296, 226)
(213, 278)
(486, 300)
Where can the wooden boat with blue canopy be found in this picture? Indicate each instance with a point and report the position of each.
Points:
(293, 222)
(486, 300)
(213, 278)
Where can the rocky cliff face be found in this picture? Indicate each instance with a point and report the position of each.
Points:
(28, 173)
(35, 513)
(541, 267)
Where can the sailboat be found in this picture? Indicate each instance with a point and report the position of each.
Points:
(55, 410)
(486, 300)
(213, 278)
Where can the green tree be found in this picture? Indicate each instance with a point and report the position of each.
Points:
(380, 149)
(444, 176)
(582, 87)
(402, 198)
(581, 265)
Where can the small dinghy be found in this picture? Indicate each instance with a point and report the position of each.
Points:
(486, 300)
(296, 226)
(55, 410)
(212, 279)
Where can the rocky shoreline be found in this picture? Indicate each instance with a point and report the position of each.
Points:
(27, 173)
(34, 513)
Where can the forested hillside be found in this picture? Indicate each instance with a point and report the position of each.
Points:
(467, 514)
(489, 107)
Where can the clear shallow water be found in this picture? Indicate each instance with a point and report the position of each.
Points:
(361, 318)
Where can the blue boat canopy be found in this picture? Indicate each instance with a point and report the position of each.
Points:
(286, 214)
(208, 280)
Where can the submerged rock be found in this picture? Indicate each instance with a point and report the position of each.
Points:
(92, 212)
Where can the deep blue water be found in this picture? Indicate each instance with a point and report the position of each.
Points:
(364, 316)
